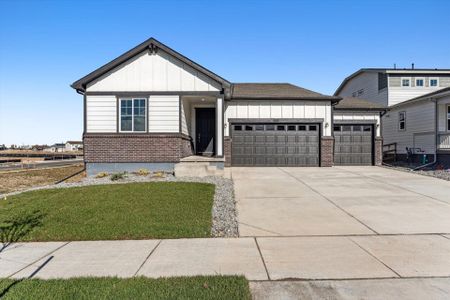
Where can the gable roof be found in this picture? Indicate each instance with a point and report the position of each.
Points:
(281, 91)
(390, 71)
(352, 103)
(433, 95)
(152, 45)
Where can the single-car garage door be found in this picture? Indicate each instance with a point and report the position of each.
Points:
(353, 144)
(275, 145)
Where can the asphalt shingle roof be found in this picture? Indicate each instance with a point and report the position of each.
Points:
(357, 103)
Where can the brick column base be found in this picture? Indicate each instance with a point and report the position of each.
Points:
(227, 150)
(326, 151)
(378, 161)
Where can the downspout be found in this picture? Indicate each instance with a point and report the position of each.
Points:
(436, 126)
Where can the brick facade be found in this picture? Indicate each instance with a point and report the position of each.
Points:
(227, 150)
(326, 151)
(149, 148)
(378, 160)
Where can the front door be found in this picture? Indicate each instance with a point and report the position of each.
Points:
(205, 127)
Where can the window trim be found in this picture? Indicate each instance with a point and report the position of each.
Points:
(433, 78)
(119, 107)
(405, 86)
(419, 78)
(404, 120)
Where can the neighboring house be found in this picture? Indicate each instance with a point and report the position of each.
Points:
(74, 146)
(388, 87)
(59, 147)
(412, 130)
(39, 147)
(421, 124)
(151, 107)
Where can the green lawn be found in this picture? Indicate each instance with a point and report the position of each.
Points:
(214, 287)
(109, 212)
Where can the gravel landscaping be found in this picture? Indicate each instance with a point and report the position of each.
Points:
(441, 174)
(224, 213)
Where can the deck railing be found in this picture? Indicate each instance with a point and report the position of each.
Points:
(444, 141)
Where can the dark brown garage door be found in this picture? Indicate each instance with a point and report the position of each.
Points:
(353, 145)
(275, 145)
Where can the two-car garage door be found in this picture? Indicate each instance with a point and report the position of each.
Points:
(279, 144)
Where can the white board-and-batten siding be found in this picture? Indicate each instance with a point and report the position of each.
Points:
(162, 113)
(420, 127)
(279, 109)
(153, 72)
(359, 117)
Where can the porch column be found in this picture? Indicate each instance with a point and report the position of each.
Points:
(219, 127)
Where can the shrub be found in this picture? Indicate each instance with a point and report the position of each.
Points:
(101, 175)
(118, 176)
(142, 172)
(159, 174)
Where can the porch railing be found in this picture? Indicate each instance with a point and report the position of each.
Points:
(444, 141)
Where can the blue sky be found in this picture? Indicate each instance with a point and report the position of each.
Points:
(46, 45)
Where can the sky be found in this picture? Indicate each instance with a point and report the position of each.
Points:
(47, 45)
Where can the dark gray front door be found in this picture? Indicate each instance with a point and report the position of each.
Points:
(205, 128)
(294, 145)
(353, 144)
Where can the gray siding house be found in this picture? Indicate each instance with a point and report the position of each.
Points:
(154, 108)
(417, 99)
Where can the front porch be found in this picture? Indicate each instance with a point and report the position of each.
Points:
(201, 118)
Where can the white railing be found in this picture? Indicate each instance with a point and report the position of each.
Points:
(444, 141)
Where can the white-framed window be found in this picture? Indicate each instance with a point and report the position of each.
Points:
(406, 82)
(448, 117)
(420, 82)
(402, 120)
(434, 82)
(132, 114)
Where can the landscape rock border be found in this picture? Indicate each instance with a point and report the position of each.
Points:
(441, 174)
(224, 212)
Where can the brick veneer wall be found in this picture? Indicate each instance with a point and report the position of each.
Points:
(378, 151)
(227, 150)
(326, 151)
(116, 148)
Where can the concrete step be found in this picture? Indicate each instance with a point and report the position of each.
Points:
(197, 169)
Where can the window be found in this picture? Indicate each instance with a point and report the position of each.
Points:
(402, 120)
(337, 128)
(434, 82)
(280, 127)
(406, 82)
(291, 127)
(420, 82)
(259, 127)
(238, 127)
(312, 128)
(448, 117)
(302, 127)
(367, 128)
(270, 127)
(347, 128)
(248, 128)
(133, 115)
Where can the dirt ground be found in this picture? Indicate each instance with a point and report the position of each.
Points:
(17, 180)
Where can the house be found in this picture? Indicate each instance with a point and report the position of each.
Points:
(73, 146)
(417, 102)
(58, 147)
(388, 87)
(153, 108)
(422, 125)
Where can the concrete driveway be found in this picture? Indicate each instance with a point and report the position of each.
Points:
(339, 201)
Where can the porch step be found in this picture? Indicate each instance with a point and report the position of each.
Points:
(198, 169)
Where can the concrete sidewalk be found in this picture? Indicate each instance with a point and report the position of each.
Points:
(265, 258)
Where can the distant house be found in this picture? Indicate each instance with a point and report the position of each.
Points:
(59, 147)
(3, 147)
(39, 147)
(74, 146)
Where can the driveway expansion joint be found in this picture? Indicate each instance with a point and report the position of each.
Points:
(262, 258)
(147, 258)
